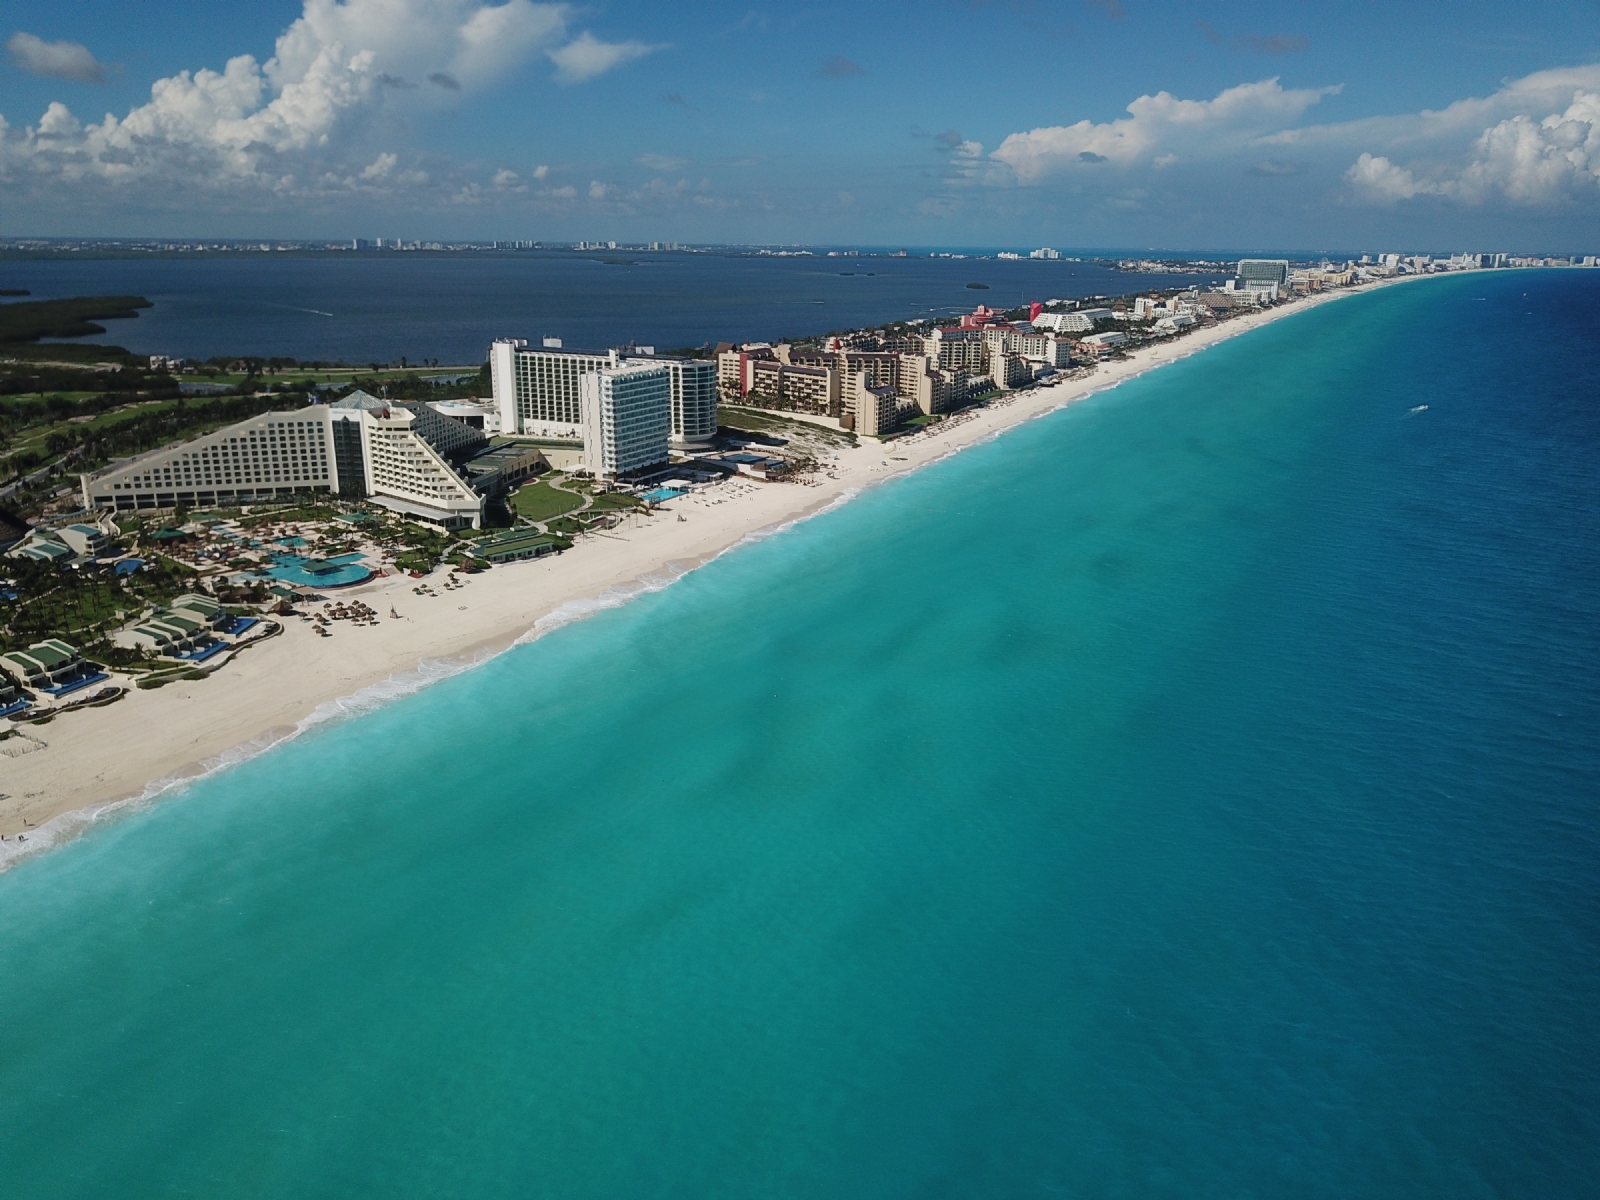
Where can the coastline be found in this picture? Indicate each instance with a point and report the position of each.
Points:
(102, 761)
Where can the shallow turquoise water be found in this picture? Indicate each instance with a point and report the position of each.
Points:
(1191, 794)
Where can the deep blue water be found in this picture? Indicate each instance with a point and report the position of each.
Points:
(1195, 793)
(379, 306)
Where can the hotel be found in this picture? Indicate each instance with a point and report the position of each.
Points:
(627, 418)
(397, 454)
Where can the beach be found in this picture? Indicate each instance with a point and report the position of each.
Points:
(1175, 797)
(90, 764)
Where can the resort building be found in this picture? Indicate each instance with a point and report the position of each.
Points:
(1261, 275)
(957, 349)
(50, 666)
(808, 388)
(500, 468)
(734, 366)
(1010, 370)
(537, 390)
(1103, 343)
(627, 418)
(407, 475)
(43, 545)
(186, 628)
(873, 404)
(481, 415)
(518, 546)
(1082, 321)
(86, 541)
(694, 401)
(1046, 348)
(166, 632)
(397, 454)
(11, 698)
(277, 454)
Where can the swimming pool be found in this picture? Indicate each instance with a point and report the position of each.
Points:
(340, 571)
(663, 494)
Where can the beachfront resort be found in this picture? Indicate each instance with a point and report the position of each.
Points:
(172, 564)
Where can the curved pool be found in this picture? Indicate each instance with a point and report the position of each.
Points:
(341, 571)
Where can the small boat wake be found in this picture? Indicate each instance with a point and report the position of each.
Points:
(297, 308)
(1421, 408)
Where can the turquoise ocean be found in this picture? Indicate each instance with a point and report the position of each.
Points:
(1192, 793)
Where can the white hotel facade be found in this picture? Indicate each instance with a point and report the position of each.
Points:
(537, 392)
(359, 446)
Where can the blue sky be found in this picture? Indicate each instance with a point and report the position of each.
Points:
(1212, 124)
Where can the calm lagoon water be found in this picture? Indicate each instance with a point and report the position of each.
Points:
(1195, 793)
(379, 306)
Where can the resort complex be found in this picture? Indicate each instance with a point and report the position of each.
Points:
(175, 561)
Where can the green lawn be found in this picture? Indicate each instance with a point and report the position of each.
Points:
(611, 501)
(538, 501)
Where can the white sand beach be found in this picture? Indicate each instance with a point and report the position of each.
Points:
(96, 761)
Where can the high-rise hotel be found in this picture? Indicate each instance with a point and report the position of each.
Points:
(537, 390)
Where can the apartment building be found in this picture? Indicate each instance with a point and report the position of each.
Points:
(874, 406)
(798, 387)
(1010, 370)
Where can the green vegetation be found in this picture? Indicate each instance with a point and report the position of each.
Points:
(613, 502)
(30, 320)
(775, 428)
(538, 501)
(82, 605)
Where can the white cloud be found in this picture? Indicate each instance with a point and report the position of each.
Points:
(1534, 142)
(63, 60)
(304, 120)
(1375, 177)
(587, 56)
(1526, 163)
(380, 166)
(1157, 124)
(541, 171)
(597, 190)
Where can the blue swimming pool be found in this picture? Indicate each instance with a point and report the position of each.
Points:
(340, 571)
(663, 494)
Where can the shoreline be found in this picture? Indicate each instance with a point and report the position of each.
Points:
(299, 681)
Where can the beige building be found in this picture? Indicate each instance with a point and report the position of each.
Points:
(797, 388)
(875, 406)
(1010, 371)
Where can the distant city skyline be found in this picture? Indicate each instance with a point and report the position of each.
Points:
(961, 124)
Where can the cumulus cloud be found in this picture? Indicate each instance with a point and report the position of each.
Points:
(1156, 125)
(304, 120)
(587, 56)
(62, 60)
(1379, 179)
(380, 167)
(1532, 157)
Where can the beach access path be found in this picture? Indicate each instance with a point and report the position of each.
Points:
(95, 762)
